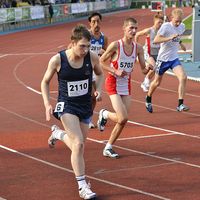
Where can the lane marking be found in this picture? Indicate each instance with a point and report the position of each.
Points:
(144, 136)
(90, 177)
(123, 148)
(3, 55)
(169, 90)
(104, 171)
(150, 155)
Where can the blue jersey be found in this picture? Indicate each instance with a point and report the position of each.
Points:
(75, 85)
(97, 44)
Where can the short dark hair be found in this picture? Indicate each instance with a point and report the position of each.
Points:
(80, 31)
(94, 14)
(158, 16)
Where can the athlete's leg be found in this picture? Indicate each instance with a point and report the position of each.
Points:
(146, 83)
(76, 140)
(121, 105)
(91, 125)
(182, 78)
(154, 84)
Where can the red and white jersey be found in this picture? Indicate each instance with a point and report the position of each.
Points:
(121, 85)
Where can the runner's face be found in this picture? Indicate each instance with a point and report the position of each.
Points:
(95, 24)
(176, 20)
(82, 47)
(130, 29)
(158, 23)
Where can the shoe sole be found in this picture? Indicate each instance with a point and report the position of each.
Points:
(184, 110)
(150, 111)
(91, 198)
(51, 146)
(105, 155)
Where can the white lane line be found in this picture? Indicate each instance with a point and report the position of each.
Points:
(33, 90)
(144, 136)
(101, 142)
(3, 55)
(169, 90)
(2, 198)
(103, 171)
(90, 177)
(150, 155)
(165, 130)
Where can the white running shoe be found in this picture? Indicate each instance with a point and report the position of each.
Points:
(102, 121)
(182, 107)
(110, 153)
(52, 140)
(145, 87)
(86, 193)
(91, 125)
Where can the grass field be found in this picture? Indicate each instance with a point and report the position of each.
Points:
(188, 26)
(188, 23)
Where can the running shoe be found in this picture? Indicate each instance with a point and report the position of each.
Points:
(86, 193)
(182, 107)
(110, 153)
(101, 121)
(52, 140)
(145, 87)
(91, 125)
(149, 107)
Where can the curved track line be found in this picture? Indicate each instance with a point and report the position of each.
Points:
(101, 142)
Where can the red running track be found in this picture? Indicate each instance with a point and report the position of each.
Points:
(159, 152)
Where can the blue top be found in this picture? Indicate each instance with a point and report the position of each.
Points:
(75, 85)
(97, 44)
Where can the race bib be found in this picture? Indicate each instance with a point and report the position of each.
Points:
(77, 88)
(59, 107)
(96, 48)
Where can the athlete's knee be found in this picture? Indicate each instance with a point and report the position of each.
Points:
(157, 83)
(78, 146)
(122, 120)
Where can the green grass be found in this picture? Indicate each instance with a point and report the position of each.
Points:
(186, 40)
(188, 23)
(188, 26)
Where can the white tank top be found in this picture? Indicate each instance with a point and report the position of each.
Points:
(124, 62)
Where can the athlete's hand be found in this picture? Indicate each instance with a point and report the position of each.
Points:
(150, 67)
(49, 111)
(101, 52)
(120, 73)
(97, 94)
(174, 36)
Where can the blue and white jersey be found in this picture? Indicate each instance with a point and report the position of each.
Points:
(97, 44)
(169, 50)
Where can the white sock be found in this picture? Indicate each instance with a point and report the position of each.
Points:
(108, 146)
(105, 114)
(59, 134)
(146, 80)
(81, 181)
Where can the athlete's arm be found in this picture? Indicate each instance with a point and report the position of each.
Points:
(160, 38)
(105, 46)
(140, 54)
(110, 54)
(99, 75)
(145, 31)
(183, 47)
(107, 56)
(52, 68)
